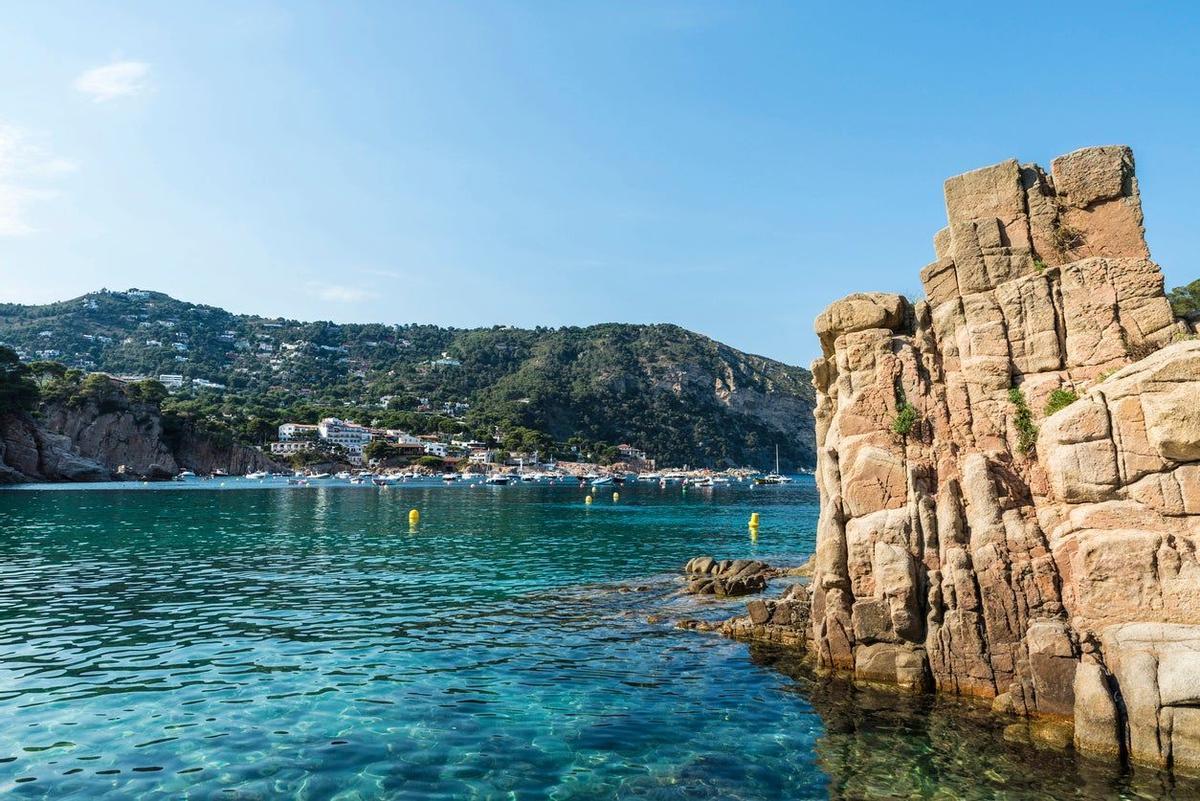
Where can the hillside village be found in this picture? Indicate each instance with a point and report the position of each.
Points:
(567, 391)
(343, 438)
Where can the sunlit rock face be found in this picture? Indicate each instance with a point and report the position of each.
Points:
(980, 545)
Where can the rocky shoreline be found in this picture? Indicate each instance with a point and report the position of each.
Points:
(1009, 473)
(112, 438)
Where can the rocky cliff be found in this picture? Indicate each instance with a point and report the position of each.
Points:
(1009, 469)
(102, 438)
(28, 452)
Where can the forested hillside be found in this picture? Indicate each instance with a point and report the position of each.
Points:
(683, 397)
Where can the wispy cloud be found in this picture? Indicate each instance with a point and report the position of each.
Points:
(118, 79)
(337, 293)
(25, 169)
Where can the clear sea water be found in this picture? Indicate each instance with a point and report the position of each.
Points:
(250, 641)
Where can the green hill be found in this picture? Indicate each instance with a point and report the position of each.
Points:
(682, 397)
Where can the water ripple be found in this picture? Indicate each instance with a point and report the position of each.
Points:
(305, 644)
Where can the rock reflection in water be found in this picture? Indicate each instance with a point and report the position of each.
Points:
(881, 744)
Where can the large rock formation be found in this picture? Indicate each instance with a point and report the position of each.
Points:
(29, 452)
(971, 544)
(102, 438)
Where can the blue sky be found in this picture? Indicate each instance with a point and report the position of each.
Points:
(732, 167)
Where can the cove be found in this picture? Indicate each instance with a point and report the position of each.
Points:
(306, 643)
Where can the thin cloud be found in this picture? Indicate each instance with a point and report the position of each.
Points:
(336, 293)
(24, 168)
(119, 79)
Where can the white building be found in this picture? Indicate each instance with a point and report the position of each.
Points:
(438, 449)
(446, 361)
(287, 448)
(171, 380)
(350, 436)
(297, 431)
(401, 437)
(482, 456)
(630, 453)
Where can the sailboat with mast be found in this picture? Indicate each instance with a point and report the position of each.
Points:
(776, 477)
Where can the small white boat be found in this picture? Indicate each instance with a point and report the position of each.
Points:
(185, 474)
(496, 478)
(342, 476)
(649, 477)
(315, 476)
(603, 481)
(776, 477)
(257, 475)
(448, 477)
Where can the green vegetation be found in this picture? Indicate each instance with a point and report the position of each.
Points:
(1023, 420)
(1065, 238)
(1039, 265)
(18, 392)
(1060, 399)
(905, 419)
(1185, 300)
(380, 450)
(562, 392)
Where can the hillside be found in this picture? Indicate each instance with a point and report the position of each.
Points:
(684, 398)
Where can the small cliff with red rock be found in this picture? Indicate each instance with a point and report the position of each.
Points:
(109, 435)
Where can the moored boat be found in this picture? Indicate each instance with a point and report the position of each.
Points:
(776, 477)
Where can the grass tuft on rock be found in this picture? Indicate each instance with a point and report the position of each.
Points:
(1060, 399)
(1023, 420)
(905, 419)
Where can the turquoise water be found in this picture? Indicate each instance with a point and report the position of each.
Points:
(258, 642)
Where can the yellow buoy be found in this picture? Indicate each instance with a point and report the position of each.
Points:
(616, 497)
(588, 500)
(754, 519)
(414, 517)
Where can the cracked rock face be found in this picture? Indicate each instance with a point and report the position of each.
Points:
(1045, 562)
